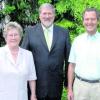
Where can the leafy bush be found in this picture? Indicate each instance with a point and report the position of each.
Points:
(68, 12)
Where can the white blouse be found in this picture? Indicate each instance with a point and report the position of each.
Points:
(14, 76)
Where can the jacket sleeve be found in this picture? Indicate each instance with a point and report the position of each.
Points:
(67, 50)
(25, 41)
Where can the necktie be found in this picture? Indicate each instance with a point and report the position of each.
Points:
(47, 38)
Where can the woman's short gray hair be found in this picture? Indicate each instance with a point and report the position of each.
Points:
(12, 25)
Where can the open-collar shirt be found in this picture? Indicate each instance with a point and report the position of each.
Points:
(85, 53)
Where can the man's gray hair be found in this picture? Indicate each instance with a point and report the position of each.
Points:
(48, 5)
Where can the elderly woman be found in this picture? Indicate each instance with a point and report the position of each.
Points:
(16, 66)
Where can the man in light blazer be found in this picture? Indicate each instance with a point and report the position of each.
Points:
(49, 58)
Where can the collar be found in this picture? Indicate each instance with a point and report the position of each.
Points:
(50, 28)
(8, 50)
(94, 36)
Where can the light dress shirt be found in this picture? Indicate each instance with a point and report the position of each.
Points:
(14, 76)
(50, 33)
(85, 53)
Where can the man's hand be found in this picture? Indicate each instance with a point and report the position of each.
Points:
(70, 95)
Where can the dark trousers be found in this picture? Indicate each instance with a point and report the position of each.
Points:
(49, 98)
(45, 98)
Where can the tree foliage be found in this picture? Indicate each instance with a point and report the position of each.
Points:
(68, 12)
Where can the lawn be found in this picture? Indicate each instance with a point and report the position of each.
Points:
(64, 95)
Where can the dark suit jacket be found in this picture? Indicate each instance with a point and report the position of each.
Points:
(49, 64)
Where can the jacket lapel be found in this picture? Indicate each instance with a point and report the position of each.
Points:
(41, 35)
(55, 36)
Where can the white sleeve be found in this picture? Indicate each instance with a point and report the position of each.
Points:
(32, 71)
(72, 55)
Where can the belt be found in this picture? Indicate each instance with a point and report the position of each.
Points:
(86, 80)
